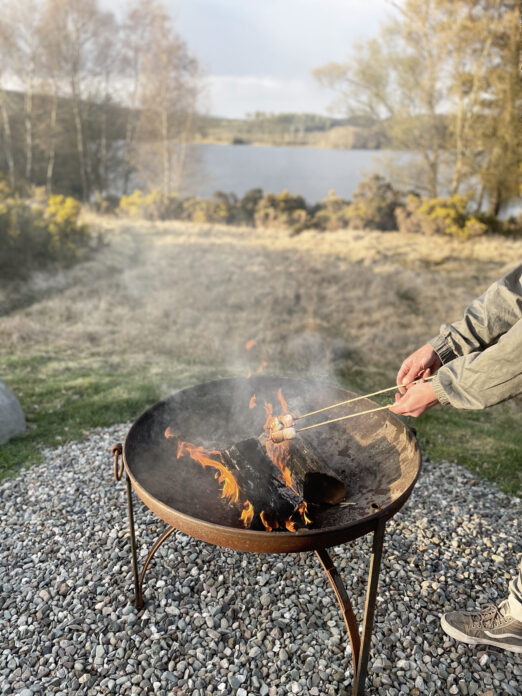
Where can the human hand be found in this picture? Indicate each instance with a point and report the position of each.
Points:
(417, 399)
(423, 363)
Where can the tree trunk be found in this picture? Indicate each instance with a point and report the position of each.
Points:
(495, 201)
(183, 144)
(166, 152)
(80, 143)
(52, 142)
(432, 162)
(129, 139)
(103, 149)
(457, 172)
(28, 117)
(8, 142)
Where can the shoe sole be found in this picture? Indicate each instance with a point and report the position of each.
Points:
(464, 638)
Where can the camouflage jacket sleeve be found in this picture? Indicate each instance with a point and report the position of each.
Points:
(482, 353)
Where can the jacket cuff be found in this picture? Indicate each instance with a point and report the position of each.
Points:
(442, 347)
(439, 390)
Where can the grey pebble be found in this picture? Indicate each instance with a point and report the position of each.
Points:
(222, 622)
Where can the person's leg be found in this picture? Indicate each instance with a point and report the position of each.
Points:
(515, 595)
(500, 626)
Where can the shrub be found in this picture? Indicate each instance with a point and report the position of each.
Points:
(32, 236)
(449, 216)
(374, 204)
(155, 205)
(219, 209)
(106, 205)
(66, 236)
(331, 214)
(247, 205)
(282, 210)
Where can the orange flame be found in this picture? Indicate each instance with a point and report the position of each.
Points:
(279, 453)
(230, 490)
(261, 368)
(248, 514)
(252, 403)
(269, 524)
(282, 400)
(303, 511)
(290, 525)
(250, 344)
(268, 422)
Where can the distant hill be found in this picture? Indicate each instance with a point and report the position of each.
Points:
(291, 129)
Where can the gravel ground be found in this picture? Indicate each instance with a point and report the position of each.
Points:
(224, 622)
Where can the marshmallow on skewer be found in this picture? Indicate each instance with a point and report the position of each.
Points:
(284, 434)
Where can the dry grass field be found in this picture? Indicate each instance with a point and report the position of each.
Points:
(165, 305)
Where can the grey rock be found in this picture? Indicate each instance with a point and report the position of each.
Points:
(234, 681)
(12, 419)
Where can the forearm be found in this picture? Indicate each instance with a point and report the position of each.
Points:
(481, 379)
(486, 319)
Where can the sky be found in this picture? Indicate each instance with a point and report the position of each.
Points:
(258, 55)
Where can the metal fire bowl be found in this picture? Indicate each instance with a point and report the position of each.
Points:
(376, 456)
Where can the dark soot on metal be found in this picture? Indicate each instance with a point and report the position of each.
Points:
(376, 456)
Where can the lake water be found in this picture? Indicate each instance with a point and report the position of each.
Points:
(310, 172)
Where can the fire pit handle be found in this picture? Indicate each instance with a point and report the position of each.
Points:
(118, 468)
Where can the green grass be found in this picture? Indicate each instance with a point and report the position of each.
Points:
(64, 397)
(487, 442)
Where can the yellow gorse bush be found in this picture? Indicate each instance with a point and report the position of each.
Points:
(33, 235)
(449, 216)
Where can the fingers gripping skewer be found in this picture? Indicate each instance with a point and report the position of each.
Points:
(357, 398)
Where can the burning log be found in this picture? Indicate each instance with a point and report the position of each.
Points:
(273, 480)
(274, 504)
(280, 480)
(305, 470)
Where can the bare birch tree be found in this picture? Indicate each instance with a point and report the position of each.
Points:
(78, 24)
(23, 18)
(5, 52)
(442, 78)
(167, 98)
(397, 80)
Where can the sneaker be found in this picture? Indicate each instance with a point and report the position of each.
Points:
(490, 626)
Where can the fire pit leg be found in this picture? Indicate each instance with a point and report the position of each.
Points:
(116, 451)
(137, 589)
(360, 647)
(369, 608)
(344, 603)
(149, 558)
(119, 468)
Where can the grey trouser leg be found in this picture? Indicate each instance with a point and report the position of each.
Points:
(515, 595)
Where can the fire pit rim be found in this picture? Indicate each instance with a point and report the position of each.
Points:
(262, 541)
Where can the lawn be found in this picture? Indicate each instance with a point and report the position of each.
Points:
(166, 305)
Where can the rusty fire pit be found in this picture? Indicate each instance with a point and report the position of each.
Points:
(376, 456)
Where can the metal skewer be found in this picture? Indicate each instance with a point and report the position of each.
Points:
(357, 398)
